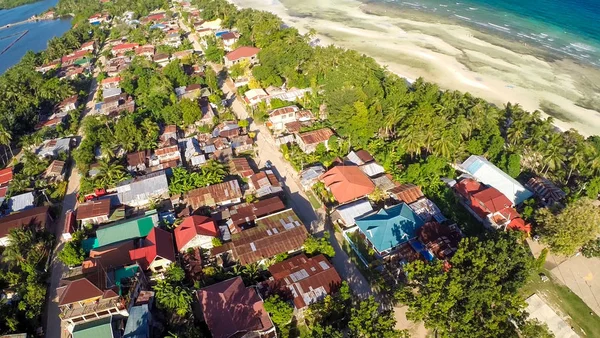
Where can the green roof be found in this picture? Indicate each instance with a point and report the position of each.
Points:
(88, 244)
(101, 328)
(125, 272)
(127, 229)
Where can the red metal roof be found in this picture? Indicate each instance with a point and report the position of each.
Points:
(93, 209)
(492, 199)
(192, 226)
(6, 175)
(467, 187)
(230, 309)
(111, 80)
(124, 46)
(158, 243)
(347, 183)
(242, 52)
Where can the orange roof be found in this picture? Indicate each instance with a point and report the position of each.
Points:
(111, 80)
(126, 46)
(242, 52)
(316, 136)
(347, 183)
(493, 200)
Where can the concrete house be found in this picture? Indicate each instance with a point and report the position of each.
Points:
(195, 231)
(243, 53)
(308, 141)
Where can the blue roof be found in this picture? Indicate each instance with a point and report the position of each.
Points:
(391, 227)
(138, 322)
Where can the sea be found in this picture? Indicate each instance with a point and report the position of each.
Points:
(567, 27)
(37, 36)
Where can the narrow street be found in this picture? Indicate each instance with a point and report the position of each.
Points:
(53, 323)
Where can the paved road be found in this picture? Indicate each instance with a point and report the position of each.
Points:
(54, 327)
(314, 219)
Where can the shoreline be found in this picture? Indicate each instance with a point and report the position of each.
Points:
(453, 56)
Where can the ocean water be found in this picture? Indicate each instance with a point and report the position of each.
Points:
(38, 32)
(566, 27)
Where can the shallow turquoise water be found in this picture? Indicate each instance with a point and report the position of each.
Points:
(567, 27)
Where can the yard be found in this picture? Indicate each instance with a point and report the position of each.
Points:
(569, 306)
(314, 202)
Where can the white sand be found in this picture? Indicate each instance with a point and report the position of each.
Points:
(452, 56)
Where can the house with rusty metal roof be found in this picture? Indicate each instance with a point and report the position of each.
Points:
(221, 194)
(94, 212)
(241, 166)
(278, 233)
(265, 183)
(230, 309)
(34, 216)
(242, 216)
(407, 193)
(305, 280)
(308, 141)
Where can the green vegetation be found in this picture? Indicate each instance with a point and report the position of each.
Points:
(591, 248)
(315, 246)
(366, 321)
(314, 202)
(570, 228)
(281, 312)
(72, 254)
(7, 4)
(183, 181)
(24, 260)
(171, 294)
(476, 293)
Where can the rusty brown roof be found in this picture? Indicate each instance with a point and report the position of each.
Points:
(274, 234)
(37, 215)
(93, 209)
(264, 179)
(407, 193)
(137, 158)
(316, 136)
(310, 278)
(213, 194)
(241, 166)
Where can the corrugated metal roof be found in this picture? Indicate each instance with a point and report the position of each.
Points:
(348, 212)
(487, 173)
(21, 202)
(138, 322)
(127, 229)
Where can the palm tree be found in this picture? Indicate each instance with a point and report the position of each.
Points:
(5, 139)
(111, 173)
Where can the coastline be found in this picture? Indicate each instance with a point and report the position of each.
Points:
(453, 56)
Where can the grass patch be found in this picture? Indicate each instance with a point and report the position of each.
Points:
(313, 200)
(559, 297)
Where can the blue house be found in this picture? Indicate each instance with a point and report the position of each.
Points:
(387, 229)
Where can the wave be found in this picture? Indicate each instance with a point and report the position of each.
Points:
(462, 17)
(582, 47)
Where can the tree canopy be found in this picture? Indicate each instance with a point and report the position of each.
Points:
(476, 293)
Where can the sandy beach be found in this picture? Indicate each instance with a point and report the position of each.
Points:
(455, 57)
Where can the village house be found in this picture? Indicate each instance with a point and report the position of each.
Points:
(114, 105)
(221, 194)
(146, 51)
(108, 257)
(346, 214)
(161, 59)
(124, 48)
(275, 234)
(126, 229)
(241, 166)
(265, 183)
(245, 53)
(89, 46)
(310, 175)
(407, 193)
(243, 216)
(242, 144)
(489, 205)
(305, 280)
(56, 171)
(365, 162)
(441, 240)
(487, 173)
(347, 183)
(255, 96)
(21, 202)
(108, 327)
(168, 152)
(195, 232)
(46, 67)
(191, 92)
(111, 82)
(387, 229)
(66, 105)
(229, 39)
(156, 252)
(52, 148)
(546, 191)
(279, 117)
(137, 161)
(141, 190)
(154, 17)
(94, 212)
(230, 309)
(38, 216)
(308, 141)
(116, 65)
(182, 54)
(98, 19)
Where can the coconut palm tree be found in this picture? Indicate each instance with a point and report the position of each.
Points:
(5, 139)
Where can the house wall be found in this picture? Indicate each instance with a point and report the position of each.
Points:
(204, 242)
(96, 220)
(159, 264)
